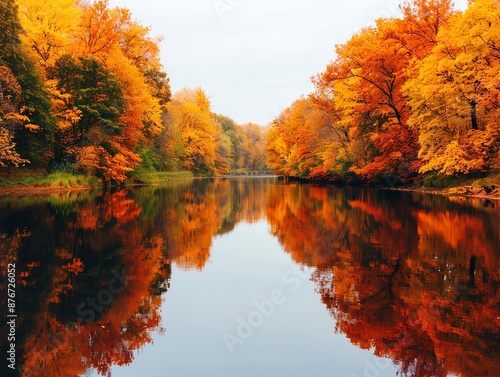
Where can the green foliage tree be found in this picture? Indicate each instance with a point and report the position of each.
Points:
(94, 91)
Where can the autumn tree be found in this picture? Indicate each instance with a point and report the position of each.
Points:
(367, 79)
(223, 149)
(191, 116)
(298, 140)
(418, 29)
(454, 97)
(11, 110)
(127, 49)
(360, 104)
(230, 129)
(11, 118)
(97, 100)
(95, 93)
(169, 145)
(35, 141)
(252, 156)
(143, 51)
(49, 28)
(8, 155)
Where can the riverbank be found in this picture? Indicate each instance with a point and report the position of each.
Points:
(37, 184)
(65, 182)
(29, 184)
(487, 192)
(484, 188)
(480, 188)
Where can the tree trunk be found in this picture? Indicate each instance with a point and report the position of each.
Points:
(473, 115)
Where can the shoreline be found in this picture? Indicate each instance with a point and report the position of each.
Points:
(461, 191)
(480, 194)
(19, 190)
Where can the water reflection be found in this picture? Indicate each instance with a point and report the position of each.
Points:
(413, 277)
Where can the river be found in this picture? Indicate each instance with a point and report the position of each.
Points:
(251, 277)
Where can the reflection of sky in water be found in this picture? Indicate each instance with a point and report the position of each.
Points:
(247, 265)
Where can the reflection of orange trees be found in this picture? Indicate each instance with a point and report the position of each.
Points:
(66, 351)
(9, 246)
(98, 237)
(182, 228)
(52, 351)
(188, 222)
(206, 209)
(114, 206)
(198, 225)
(461, 233)
(249, 199)
(92, 236)
(455, 325)
(292, 212)
(414, 285)
(314, 222)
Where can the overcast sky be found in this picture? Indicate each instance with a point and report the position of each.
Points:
(253, 57)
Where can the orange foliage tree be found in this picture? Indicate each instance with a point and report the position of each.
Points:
(297, 141)
(94, 32)
(409, 96)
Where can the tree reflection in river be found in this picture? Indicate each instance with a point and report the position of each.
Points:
(413, 277)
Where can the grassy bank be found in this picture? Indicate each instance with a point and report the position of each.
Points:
(29, 182)
(53, 180)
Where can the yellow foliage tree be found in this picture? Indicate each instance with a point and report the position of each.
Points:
(11, 117)
(454, 97)
(49, 27)
(190, 115)
(252, 154)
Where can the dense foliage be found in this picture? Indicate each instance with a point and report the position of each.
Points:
(410, 96)
(83, 90)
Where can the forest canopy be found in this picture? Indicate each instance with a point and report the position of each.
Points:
(407, 98)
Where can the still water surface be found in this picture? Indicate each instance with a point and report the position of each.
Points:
(253, 277)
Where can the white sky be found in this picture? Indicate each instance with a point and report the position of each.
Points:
(253, 57)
